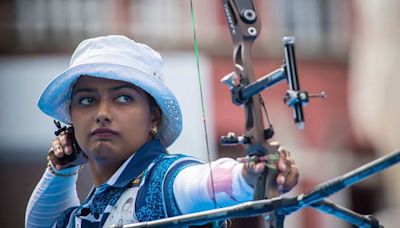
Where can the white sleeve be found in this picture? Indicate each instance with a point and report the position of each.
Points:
(193, 188)
(52, 196)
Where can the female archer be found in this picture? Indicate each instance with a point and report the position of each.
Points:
(123, 118)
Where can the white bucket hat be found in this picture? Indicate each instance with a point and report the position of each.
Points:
(118, 58)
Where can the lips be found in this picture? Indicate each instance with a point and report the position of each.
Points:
(104, 133)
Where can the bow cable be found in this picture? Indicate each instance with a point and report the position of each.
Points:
(264, 107)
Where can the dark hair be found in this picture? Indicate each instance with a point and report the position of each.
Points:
(154, 107)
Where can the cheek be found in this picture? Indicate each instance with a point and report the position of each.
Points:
(143, 121)
(74, 114)
(79, 124)
(81, 116)
(140, 122)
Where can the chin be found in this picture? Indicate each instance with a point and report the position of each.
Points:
(101, 150)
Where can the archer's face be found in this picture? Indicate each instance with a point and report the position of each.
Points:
(112, 119)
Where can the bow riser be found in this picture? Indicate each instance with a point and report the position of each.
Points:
(245, 27)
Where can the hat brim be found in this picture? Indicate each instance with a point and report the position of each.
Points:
(56, 99)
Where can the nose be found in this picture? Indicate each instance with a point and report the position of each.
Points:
(103, 115)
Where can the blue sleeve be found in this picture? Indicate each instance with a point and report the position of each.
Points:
(155, 199)
(51, 197)
(171, 205)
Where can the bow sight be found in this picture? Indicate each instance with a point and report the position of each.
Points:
(244, 27)
(294, 97)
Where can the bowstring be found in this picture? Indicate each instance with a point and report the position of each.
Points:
(196, 51)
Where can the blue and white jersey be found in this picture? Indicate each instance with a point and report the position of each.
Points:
(140, 190)
(149, 185)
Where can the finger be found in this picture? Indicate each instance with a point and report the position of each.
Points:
(280, 180)
(51, 156)
(57, 149)
(282, 162)
(284, 151)
(282, 167)
(53, 159)
(65, 143)
(285, 160)
(255, 167)
(292, 178)
(258, 167)
(275, 143)
(290, 162)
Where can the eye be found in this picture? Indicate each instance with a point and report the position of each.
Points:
(86, 101)
(124, 99)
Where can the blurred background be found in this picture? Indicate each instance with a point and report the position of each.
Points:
(349, 49)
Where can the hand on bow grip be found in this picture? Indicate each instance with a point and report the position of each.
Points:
(288, 173)
(65, 151)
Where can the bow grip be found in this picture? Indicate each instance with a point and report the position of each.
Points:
(293, 81)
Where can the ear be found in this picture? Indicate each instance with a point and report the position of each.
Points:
(156, 115)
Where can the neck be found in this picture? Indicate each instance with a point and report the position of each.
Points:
(102, 171)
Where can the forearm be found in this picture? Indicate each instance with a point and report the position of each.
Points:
(196, 190)
(51, 197)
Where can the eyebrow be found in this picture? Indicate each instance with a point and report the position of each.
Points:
(124, 86)
(115, 88)
(75, 91)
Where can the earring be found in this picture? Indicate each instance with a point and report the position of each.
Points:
(154, 130)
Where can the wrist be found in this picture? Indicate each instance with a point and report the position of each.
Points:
(249, 177)
(66, 172)
(242, 188)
